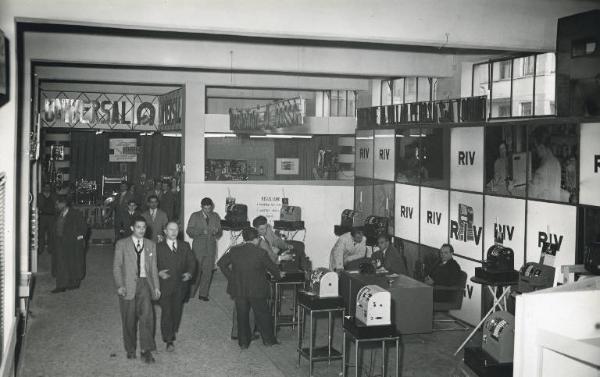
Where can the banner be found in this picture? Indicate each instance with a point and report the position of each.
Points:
(170, 111)
(407, 212)
(466, 224)
(434, 217)
(466, 158)
(281, 114)
(385, 154)
(470, 311)
(122, 150)
(364, 154)
(507, 217)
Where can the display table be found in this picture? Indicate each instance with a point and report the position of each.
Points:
(313, 305)
(412, 300)
(277, 286)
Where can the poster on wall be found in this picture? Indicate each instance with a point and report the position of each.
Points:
(406, 216)
(383, 203)
(122, 150)
(466, 161)
(434, 217)
(589, 186)
(554, 224)
(287, 166)
(364, 154)
(505, 216)
(506, 159)
(466, 224)
(408, 156)
(384, 156)
(470, 311)
(553, 168)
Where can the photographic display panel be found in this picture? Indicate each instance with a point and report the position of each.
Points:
(466, 158)
(363, 196)
(385, 153)
(364, 154)
(406, 217)
(589, 186)
(506, 216)
(434, 217)
(470, 311)
(506, 160)
(466, 224)
(435, 148)
(383, 202)
(553, 168)
(408, 155)
(553, 223)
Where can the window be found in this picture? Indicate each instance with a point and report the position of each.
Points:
(528, 65)
(410, 93)
(398, 88)
(424, 89)
(504, 72)
(526, 109)
(386, 92)
(503, 111)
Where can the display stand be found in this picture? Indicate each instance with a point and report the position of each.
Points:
(364, 334)
(277, 287)
(290, 233)
(315, 305)
(500, 290)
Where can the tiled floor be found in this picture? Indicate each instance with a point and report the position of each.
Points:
(78, 334)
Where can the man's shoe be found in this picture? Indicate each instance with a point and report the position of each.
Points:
(244, 346)
(275, 343)
(131, 355)
(147, 357)
(58, 290)
(170, 347)
(202, 298)
(233, 337)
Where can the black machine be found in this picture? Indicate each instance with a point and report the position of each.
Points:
(295, 268)
(236, 215)
(535, 276)
(591, 259)
(290, 217)
(374, 227)
(350, 219)
(499, 265)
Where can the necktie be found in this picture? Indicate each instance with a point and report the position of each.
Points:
(174, 247)
(138, 251)
(153, 214)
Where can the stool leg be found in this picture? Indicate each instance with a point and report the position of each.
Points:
(294, 317)
(383, 358)
(356, 363)
(276, 309)
(344, 354)
(299, 334)
(310, 345)
(397, 356)
(329, 338)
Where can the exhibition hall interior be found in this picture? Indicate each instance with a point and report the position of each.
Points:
(309, 188)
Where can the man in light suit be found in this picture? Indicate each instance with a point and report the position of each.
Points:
(204, 227)
(156, 220)
(136, 277)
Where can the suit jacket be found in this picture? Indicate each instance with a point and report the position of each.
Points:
(120, 207)
(156, 226)
(272, 244)
(246, 267)
(125, 222)
(446, 274)
(204, 233)
(68, 249)
(393, 260)
(177, 263)
(168, 203)
(125, 266)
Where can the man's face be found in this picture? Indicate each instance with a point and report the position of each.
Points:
(139, 229)
(383, 243)
(262, 230)
(445, 254)
(502, 150)
(207, 209)
(171, 231)
(60, 206)
(358, 237)
(153, 203)
(143, 178)
(132, 207)
(540, 150)
(165, 186)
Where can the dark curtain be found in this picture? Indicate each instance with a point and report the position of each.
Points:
(157, 156)
(306, 150)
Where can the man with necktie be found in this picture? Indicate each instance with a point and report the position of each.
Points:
(125, 221)
(136, 277)
(156, 220)
(204, 227)
(176, 266)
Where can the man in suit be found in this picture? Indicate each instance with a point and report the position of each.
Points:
(120, 207)
(156, 220)
(68, 246)
(136, 277)
(269, 241)
(246, 267)
(176, 266)
(46, 203)
(204, 227)
(389, 257)
(127, 217)
(445, 273)
(167, 200)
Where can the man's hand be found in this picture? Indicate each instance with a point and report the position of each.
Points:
(164, 274)
(428, 280)
(122, 291)
(186, 276)
(157, 293)
(285, 256)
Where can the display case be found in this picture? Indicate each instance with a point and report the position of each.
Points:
(363, 196)
(383, 202)
(435, 148)
(408, 155)
(384, 155)
(363, 150)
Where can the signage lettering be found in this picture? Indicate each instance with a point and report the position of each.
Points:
(466, 157)
(363, 153)
(384, 154)
(281, 114)
(434, 217)
(507, 231)
(406, 212)
(553, 239)
(468, 292)
(455, 232)
(596, 163)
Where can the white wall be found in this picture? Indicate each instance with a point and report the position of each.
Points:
(321, 205)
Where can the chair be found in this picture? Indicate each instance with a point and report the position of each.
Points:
(449, 298)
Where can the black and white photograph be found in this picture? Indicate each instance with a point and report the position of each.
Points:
(299, 188)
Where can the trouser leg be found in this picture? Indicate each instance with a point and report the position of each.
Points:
(145, 314)
(44, 232)
(207, 264)
(252, 322)
(129, 322)
(166, 318)
(177, 311)
(243, 311)
(264, 320)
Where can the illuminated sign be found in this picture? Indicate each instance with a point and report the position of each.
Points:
(281, 114)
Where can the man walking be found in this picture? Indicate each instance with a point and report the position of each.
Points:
(246, 267)
(46, 203)
(204, 227)
(136, 277)
(176, 266)
(68, 247)
(156, 220)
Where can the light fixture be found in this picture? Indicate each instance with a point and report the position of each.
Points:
(209, 135)
(172, 134)
(277, 136)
